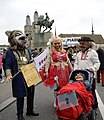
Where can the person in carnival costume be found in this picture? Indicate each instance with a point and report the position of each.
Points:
(16, 57)
(58, 66)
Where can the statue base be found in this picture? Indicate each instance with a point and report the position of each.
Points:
(40, 40)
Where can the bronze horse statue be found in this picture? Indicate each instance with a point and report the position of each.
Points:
(47, 24)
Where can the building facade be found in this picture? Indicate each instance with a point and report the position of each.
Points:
(98, 39)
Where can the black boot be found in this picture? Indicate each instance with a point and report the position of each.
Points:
(20, 117)
(32, 113)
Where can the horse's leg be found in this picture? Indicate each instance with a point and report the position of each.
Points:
(49, 29)
(40, 28)
(45, 29)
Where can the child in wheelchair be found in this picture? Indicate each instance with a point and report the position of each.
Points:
(74, 101)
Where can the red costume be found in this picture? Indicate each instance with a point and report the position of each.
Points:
(59, 69)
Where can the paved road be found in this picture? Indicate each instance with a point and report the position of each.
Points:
(5, 91)
(43, 103)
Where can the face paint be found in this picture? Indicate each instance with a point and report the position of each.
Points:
(57, 45)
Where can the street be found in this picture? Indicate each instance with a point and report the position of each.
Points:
(43, 104)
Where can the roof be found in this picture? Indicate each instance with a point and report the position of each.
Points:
(98, 39)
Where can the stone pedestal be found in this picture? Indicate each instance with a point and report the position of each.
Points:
(40, 40)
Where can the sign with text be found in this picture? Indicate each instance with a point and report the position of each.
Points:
(30, 74)
(67, 100)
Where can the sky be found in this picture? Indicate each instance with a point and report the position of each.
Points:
(70, 16)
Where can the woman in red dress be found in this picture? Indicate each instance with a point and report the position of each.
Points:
(58, 66)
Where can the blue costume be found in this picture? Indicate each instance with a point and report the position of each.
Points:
(19, 87)
(18, 82)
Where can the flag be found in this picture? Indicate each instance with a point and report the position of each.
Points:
(40, 63)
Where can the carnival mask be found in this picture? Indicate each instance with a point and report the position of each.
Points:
(16, 39)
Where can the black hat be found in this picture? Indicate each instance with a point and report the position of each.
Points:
(87, 39)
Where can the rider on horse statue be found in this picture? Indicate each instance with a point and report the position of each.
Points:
(47, 17)
(46, 23)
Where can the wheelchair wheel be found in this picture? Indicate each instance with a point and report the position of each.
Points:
(92, 115)
(83, 117)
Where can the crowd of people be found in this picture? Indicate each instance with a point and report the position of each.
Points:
(59, 64)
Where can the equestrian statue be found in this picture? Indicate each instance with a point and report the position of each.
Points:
(45, 23)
